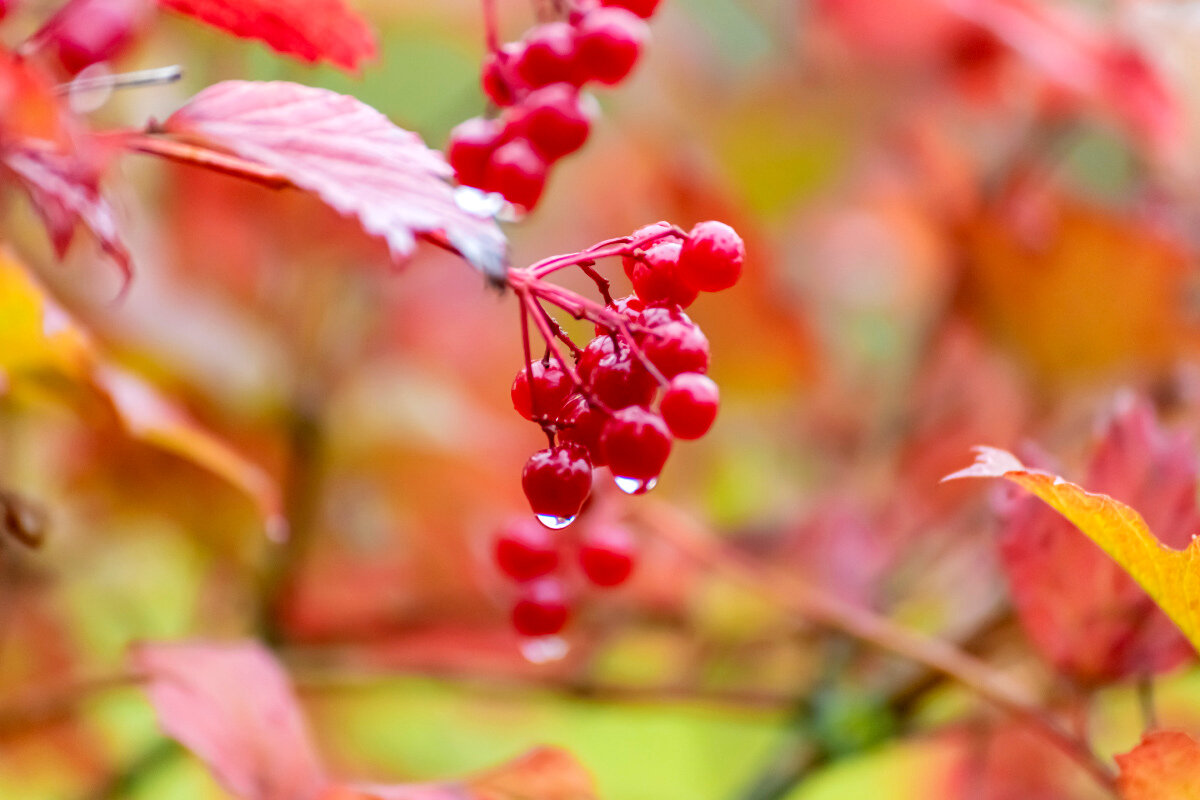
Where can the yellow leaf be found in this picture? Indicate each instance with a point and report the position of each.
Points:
(36, 336)
(1171, 577)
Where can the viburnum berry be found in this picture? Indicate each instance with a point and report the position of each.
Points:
(525, 549)
(609, 42)
(628, 262)
(548, 55)
(551, 385)
(674, 346)
(606, 555)
(581, 422)
(553, 119)
(689, 405)
(614, 376)
(643, 8)
(556, 482)
(629, 307)
(655, 280)
(541, 609)
(498, 74)
(712, 256)
(470, 148)
(86, 32)
(516, 171)
(636, 443)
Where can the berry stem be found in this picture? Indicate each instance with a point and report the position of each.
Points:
(490, 26)
(619, 246)
(539, 319)
(602, 283)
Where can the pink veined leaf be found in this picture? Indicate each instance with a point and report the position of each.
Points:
(349, 155)
(65, 194)
(310, 30)
(233, 706)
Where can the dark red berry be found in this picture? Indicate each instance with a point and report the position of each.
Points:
(556, 481)
(614, 376)
(553, 119)
(675, 346)
(517, 172)
(643, 8)
(86, 32)
(655, 279)
(581, 422)
(629, 307)
(551, 385)
(470, 148)
(498, 75)
(712, 256)
(525, 549)
(609, 42)
(606, 555)
(541, 609)
(689, 405)
(549, 55)
(636, 443)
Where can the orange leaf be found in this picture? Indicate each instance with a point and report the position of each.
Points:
(546, 773)
(1169, 576)
(1165, 766)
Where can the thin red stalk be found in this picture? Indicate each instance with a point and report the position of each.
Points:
(544, 329)
(198, 156)
(602, 283)
(491, 27)
(619, 246)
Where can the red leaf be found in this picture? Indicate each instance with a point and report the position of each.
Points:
(233, 707)
(1165, 766)
(348, 154)
(310, 30)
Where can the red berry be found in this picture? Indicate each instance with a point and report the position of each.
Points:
(525, 550)
(614, 376)
(643, 8)
(636, 443)
(609, 42)
(541, 609)
(629, 307)
(517, 172)
(689, 405)
(549, 55)
(556, 482)
(551, 385)
(607, 555)
(581, 422)
(553, 120)
(86, 32)
(675, 346)
(498, 76)
(470, 148)
(712, 256)
(655, 279)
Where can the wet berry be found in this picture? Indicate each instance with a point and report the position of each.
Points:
(614, 376)
(675, 346)
(516, 171)
(643, 8)
(636, 443)
(86, 32)
(470, 148)
(553, 119)
(609, 42)
(581, 422)
(548, 55)
(525, 549)
(557, 480)
(712, 256)
(551, 385)
(541, 609)
(606, 555)
(498, 76)
(655, 279)
(689, 405)
(629, 307)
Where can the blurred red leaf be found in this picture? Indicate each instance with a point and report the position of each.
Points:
(234, 708)
(349, 155)
(1164, 766)
(310, 30)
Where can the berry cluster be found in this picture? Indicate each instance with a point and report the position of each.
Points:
(537, 82)
(87, 32)
(532, 557)
(617, 403)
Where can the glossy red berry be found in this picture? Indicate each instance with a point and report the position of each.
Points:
(551, 385)
(548, 55)
(689, 405)
(712, 256)
(541, 609)
(629, 307)
(525, 549)
(516, 171)
(655, 279)
(86, 32)
(643, 8)
(614, 376)
(470, 148)
(607, 555)
(581, 422)
(498, 75)
(609, 42)
(675, 346)
(636, 443)
(556, 482)
(553, 119)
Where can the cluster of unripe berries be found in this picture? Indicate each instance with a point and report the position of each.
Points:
(637, 386)
(537, 82)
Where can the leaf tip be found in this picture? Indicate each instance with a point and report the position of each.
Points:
(990, 462)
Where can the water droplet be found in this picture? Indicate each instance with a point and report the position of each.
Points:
(478, 202)
(634, 485)
(544, 649)
(555, 523)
